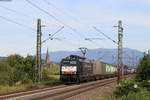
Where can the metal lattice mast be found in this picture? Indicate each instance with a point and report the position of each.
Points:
(47, 57)
(149, 53)
(38, 50)
(120, 52)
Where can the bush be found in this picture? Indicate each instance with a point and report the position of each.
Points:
(143, 94)
(138, 88)
(17, 70)
(30, 67)
(143, 70)
(15, 60)
(125, 87)
(18, 76)
(5, 73)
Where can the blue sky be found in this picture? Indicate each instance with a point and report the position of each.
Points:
(81, 15)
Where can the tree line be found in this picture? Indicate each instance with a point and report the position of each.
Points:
(17, 69)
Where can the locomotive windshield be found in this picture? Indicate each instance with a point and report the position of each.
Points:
(68, 63)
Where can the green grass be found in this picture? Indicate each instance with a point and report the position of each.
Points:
(51, 80)
(53, 73)
(5, 89)
(53, 70)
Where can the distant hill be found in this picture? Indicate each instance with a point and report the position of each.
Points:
(2, 58)
(130, 57)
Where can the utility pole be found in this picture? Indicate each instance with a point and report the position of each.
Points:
(149, 53)
(38, 50)
(39, 66)
(120, 66)
(120, 52)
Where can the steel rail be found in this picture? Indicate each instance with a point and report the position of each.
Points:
(56, 92)
(15, 94)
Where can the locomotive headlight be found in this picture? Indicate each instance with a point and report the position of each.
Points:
(69, 69)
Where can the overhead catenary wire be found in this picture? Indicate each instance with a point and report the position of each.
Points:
(15, 11)
(98, 30)
(60, 10)
(52, 16)
(14, 22)
(106, 53)
(66, 13)
(51, 36)
(57, 31)
(56, 19)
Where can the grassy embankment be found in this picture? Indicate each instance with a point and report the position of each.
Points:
(52, 79)
(130, 89)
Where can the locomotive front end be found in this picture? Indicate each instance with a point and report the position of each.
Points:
(68, 71)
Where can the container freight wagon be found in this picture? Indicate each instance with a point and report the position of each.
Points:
(110, 69)
(103, 70)
(99, 69)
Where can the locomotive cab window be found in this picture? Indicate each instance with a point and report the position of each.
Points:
(68, 63)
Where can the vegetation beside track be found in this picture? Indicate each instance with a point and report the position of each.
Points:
(20, 73)
(137, 88)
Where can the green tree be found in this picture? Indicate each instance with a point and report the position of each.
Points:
(30, 67)
(17, 64)
(15, 60)
(143, 70)
(5, 73)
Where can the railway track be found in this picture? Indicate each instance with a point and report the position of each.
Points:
(59, 92)
(6, 96)
(72, 92)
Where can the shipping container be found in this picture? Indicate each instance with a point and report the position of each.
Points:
(110, 68)
(98, 67)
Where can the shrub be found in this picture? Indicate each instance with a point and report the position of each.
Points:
(5, 73)
(143, 94)
(125, 87)
(30, 67)
(15, 60)
(143, 70)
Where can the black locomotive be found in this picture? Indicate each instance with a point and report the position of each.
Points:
(75, 68)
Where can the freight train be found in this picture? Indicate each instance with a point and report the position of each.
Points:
(76, 69)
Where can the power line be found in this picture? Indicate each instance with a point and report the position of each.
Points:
(60, 10)
(63, 12)
(14, 11)
(52, 16)
(98, 30)
(51, 36)
(14, 22)
(57, 31)
(55, 18)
